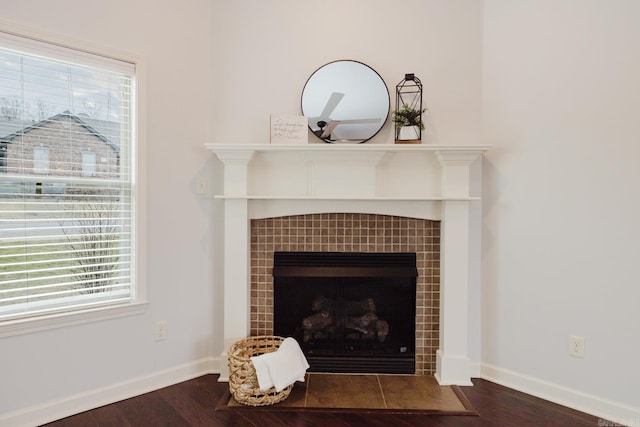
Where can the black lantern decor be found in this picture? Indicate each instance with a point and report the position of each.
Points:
(407, 117)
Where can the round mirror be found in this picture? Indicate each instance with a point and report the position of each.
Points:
(345, 102)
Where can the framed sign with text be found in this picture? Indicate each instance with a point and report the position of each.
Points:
(289, 129)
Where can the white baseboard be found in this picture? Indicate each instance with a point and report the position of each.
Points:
(565, 396)
(71, 405)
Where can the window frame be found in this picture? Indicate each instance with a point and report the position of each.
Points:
(139, 302)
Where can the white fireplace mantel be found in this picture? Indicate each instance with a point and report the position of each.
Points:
(419, 181)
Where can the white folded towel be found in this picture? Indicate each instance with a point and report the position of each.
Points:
(282, 367)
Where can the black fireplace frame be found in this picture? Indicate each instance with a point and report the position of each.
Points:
(382, 269)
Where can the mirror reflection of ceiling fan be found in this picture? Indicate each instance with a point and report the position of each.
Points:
(327, 124)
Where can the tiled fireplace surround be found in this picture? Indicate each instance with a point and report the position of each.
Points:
(365, 198)
(349, 232)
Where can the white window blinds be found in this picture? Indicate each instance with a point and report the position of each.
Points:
(66, 187)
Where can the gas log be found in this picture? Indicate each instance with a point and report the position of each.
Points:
(318, 321)
(357, 316)
(361, 323)
(350, 308)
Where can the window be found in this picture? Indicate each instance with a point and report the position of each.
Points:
(67, 229)
(40, 160)
(88, 163)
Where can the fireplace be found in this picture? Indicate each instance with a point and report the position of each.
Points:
(350, 311)
(266, 182)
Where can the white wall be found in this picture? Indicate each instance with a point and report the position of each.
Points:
(561, 237)
(264, 51)
(82, 365)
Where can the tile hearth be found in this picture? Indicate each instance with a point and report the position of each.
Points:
(371, 392)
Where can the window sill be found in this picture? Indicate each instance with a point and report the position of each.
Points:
(61, 320)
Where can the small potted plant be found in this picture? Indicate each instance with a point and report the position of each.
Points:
(408, 123)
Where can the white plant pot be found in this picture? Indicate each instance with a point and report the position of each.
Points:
(407, 133)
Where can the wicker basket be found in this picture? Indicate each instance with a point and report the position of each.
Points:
(243, 382)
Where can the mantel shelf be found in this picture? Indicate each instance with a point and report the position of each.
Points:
(356, 198)
(215, 147)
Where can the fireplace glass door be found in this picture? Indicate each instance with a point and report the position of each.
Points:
(350, 312)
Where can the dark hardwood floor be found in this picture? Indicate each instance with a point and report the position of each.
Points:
(193, 403)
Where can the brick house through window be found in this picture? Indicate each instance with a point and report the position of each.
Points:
(62, 145)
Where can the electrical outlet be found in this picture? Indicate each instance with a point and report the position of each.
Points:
(160, 332)
(576, 346)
